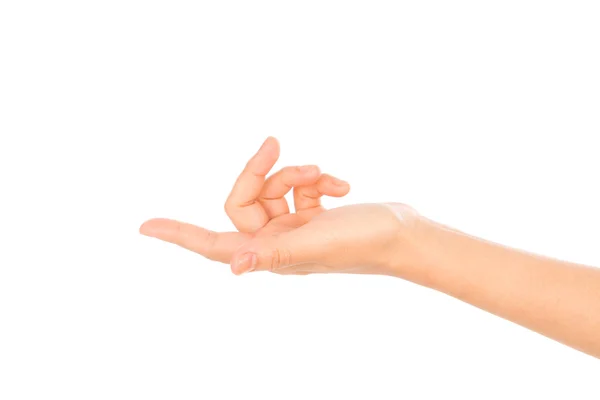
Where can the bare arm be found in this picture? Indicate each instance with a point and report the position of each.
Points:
(558, 299)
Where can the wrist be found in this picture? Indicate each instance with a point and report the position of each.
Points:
(417, 241)
(434, 255)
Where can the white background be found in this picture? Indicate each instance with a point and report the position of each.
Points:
(482, 115)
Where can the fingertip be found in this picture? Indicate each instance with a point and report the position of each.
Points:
(154, 226)
(346, 188)
(243, 263)
(339, 182)
(146, 228)
(334, 187)
(265, 158)
(272, 139)
(270, 145)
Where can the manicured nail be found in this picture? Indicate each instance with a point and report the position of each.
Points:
(246, 263)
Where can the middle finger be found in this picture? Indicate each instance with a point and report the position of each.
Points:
(272, 196)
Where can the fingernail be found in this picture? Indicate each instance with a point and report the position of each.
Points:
(246, 263)
(306, 168)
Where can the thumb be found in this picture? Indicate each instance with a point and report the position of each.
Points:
(275, 252)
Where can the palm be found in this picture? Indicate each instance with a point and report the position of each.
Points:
(281, 224)
(275, 226)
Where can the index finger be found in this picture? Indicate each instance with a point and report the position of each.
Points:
(242, 206)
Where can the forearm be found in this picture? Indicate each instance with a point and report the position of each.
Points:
(557, 299)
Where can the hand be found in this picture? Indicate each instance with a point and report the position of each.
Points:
(365, 238)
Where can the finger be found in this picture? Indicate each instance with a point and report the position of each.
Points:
(242, 207)
(277, 252)
(309, 197)
(212, 245)
(272, 196)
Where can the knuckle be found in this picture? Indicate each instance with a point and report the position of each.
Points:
(280, 258)
(179, 234)
(291, 172)
(275, 261)
(179, 228)
(209, 244)
(295, 173)
(310, 192)
(227, 207)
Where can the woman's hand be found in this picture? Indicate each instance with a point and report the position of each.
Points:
(555, 298)
(365, 238)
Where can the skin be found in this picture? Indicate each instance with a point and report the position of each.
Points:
(558, 299)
